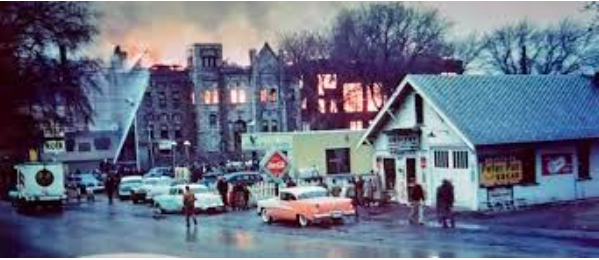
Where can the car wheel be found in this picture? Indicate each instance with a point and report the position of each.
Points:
(302, 221)
(265, 217)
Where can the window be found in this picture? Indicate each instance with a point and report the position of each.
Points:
(274, 126)
(148, 99)
(177, 117)
(70, 145)
(164, 132)
(419, 110)
(441, 159)
(164, 117)
(178, 132)
(162, 99)
(272, 97)
(238, 96)
(333, 108)
(264, 95)
(102, 143)
(375, 97)
(211, 97)
(322, 107)
(356, 125)
(338, 160)
(460, 159)
(264, 126)
(584, 153)
(212, 120)
(353, 97)
(85, 147)
(176, 99)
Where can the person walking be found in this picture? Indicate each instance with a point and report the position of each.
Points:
(110, 187)
(359, 190)
(445, 200)
(223, 189)
(189, 206)
(417, 197)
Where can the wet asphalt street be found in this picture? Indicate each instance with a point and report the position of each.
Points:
(123, 229)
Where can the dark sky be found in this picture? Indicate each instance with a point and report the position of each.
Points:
(166, 28)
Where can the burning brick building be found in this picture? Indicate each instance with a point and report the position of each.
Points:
(232, 99)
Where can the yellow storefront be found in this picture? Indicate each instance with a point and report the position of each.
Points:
(326, 152)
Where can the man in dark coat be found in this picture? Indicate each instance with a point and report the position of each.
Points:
(110, 186)
(417, 197)
(445, 200)
(359, 190)
(223, 189)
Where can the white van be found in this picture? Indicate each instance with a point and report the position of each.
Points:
(39, 184)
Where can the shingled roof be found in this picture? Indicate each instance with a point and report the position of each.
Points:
(498, 109)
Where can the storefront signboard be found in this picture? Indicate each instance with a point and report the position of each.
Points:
(558, 163)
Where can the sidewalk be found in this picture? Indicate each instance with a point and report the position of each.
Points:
(574, 220)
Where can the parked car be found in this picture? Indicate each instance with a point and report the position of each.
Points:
(173, 201)
(88, 180)
(209, 179)
(159, 172)
(140, 194)
(305, 205)
(162, 187)
(248, 178)
(127, 184)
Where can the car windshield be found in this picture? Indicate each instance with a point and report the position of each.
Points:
(313, 194)
(131, 181)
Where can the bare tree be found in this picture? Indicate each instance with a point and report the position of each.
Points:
(385, 41)
(524, 48)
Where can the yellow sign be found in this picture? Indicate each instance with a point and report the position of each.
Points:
(500, 170)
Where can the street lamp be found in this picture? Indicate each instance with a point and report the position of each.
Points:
(187, 144)
(173, 147)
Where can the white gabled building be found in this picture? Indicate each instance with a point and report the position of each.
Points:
(501, 140)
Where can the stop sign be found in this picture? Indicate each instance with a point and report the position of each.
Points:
(276, 164)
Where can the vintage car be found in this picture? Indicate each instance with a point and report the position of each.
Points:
(305, 205)
(173, 201)
(127, 184)
(148, 185)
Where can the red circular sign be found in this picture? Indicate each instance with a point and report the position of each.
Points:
(276, 164)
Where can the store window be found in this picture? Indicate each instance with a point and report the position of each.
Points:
(85, 147)
(441, 159)
(338, 160)
(265, 126)
(460, 159)
(70, 145)
(102, 143)
(274, 126)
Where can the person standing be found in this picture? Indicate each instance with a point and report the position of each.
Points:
(109, 185)
(417, 197)
(359, 190)
(223, 190)
(189, 206)
(445, 200)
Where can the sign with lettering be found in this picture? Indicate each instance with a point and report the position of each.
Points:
(500, 170)
(402, 143)
(559, 163)
(54, 146)
(276, 164)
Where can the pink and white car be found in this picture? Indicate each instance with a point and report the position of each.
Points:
(305, 205)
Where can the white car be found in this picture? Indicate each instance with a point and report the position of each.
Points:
(173, 201)
(148, 185)
(127, 184)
